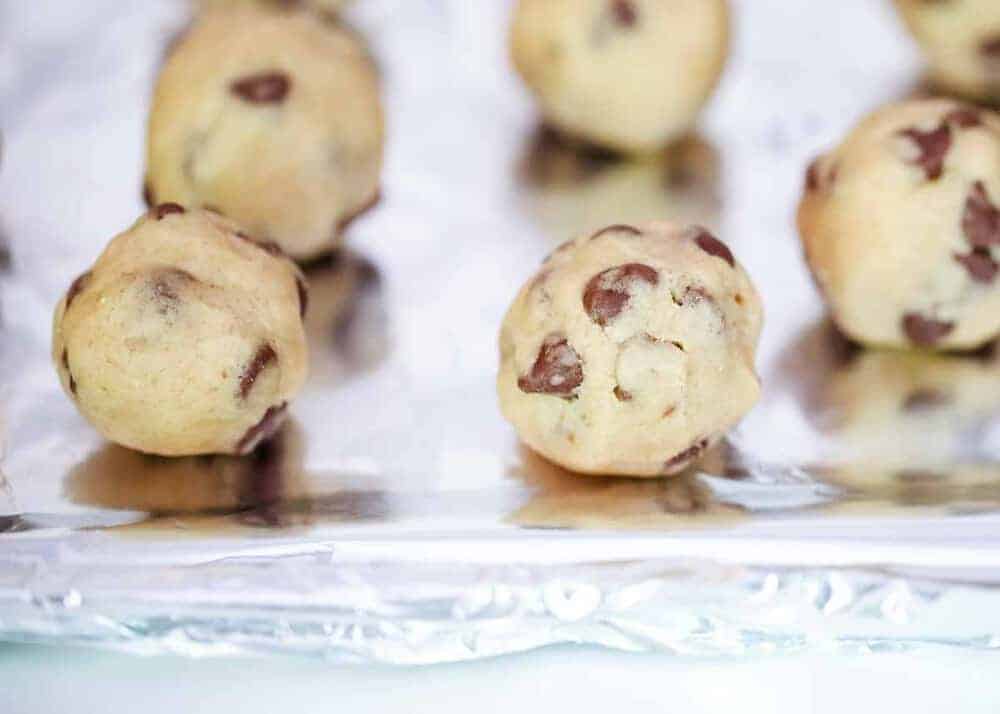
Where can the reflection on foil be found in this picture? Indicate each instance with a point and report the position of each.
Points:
(570, 501)
(575, 189)
(346, 323)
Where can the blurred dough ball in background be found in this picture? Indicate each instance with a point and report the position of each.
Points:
(630, 75)
(901, 226)
(574, 189)
(961, 41)
(272, 119)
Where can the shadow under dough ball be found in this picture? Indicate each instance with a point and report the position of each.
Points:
(185, 337)
(631, 75)
(271, 118)
(901, 228)
(631, 351)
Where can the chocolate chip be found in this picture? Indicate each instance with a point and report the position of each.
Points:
(980, 265)
(812, 176)
(65, 362)
(557, 370)
(608, 292)
(622, 395)
(933, 146)
(990, 48)
(165, 286)
(147, 195)
(922, 399)
(76, 287)
(303, 296)
(624, 12)
(965, 118)
(165, 209)
(713, 246)
(688, 455)
(265, 245)
(264, 429)
(617, 228)
(925, 331)
(264, 356)
(981, 220)
(262, 88)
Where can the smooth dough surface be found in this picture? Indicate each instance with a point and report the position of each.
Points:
(272, 118)
(628, 74)
(631, 351)
(961, 40)
(185, 337)
(901, 228)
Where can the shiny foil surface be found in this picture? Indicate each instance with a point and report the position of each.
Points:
(396, 518)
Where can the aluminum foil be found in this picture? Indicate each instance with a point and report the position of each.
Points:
(397, 518)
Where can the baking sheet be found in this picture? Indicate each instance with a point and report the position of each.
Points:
(397, 518)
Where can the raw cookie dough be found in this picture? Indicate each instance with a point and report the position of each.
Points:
(901, 226)
(631, 75)
(271, 118)
(185, 337)
(961, 40)
(631, 351)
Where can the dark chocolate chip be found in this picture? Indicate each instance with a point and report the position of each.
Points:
(933, 146)
(165, 209)
(65, 361)
(713, 246)
(980, 265)
(617, 228)
(264, 429)
(812, 176)
(264, 356)
(965, 118)
(981, 220)
(622, 395)
(608, 292)
(147, 195)
(557, 370)
(990, 48)
(265, 245)
(76, 287)
(165, 285)
(624, 12)
(303, 296)
(925, 331)
(689, 454)
(262, 88)
(922, 399)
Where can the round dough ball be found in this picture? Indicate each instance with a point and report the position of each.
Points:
(185, 338)
(631, 351)
(271, 118)
(961, 39)
(901, 227)
(628, 74)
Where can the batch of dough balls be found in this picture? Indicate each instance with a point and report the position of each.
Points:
(185, 337)
(631, 351)
(901, 227)
(961, 40)
(273, 119)
(631, 75)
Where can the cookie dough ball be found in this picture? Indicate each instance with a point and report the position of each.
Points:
(628, 74)
(961, 39)
(272, 119)
(631, 351)
(901, 227)
(185, 337)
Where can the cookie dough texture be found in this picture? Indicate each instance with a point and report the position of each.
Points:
(185, 337)
(901, 227)
(631, 75)
(631, 351)
(961, 40)
(272, 118)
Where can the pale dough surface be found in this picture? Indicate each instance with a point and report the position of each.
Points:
(631, 351)
(901, 227)
(184, 338)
